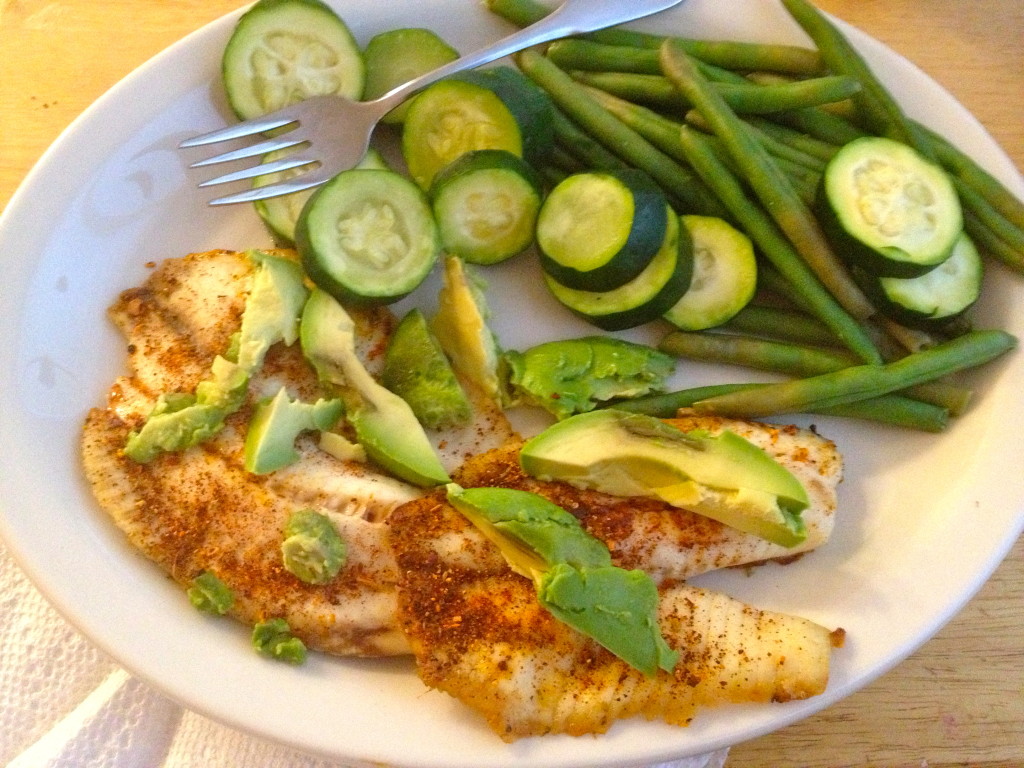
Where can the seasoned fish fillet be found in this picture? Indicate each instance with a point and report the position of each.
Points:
(479, 634)
(671, 543)
(200, 510)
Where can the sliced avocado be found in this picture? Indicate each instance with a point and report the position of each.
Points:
(416, 369)
(537, 528)
(575, 375)
(461, 327)
(572, 572)
(270, 440)
(272, 309)
(723, 476)
(384, 423)
(180, 420)
(616, 607)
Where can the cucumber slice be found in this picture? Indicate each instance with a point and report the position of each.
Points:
(598, 230)
(937, 297)
(449, 119)
(486, 205)
(529, 104)
(284, 51)
(647, 296)
(280, 213)
(724, 275)
(398, 56)
(891, 211)
(367, 236)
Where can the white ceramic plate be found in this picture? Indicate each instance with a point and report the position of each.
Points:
(923, 519)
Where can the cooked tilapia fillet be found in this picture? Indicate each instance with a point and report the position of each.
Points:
(671, 543)
(479, 634)
(200, 510)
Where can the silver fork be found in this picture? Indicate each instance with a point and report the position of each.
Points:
(336, 131)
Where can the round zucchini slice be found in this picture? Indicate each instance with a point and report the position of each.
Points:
(367, 236)
(529, 104)
(397, 56)
(934, 298)
(284, 51)
(486, 205)
(598, 230)
(724, 275)
(891, 211)
(644, 298)
(450, 118)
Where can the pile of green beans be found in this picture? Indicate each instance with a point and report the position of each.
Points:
(743, 131)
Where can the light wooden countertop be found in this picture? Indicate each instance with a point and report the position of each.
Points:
(958, 701)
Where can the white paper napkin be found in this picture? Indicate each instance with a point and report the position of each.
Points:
(64, 704)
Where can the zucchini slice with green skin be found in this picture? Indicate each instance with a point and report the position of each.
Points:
(598, 230)
(644, 298)
(529, 104)
(284, 51)
(936, 297)
(450, 118)
(888, 209)
(724, 275)
(486, 205)
(367, 236)
(280, 213)
(397, 56)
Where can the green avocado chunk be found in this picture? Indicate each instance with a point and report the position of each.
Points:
(576, 375)
(572, 572)
(616, 607)
(416, 369)
(270, 439)
(723, 476)
(181, 420)
(274, 639)
(384, 423)
(312, 548)
(210, 595)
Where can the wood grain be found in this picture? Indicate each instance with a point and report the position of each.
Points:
(958, 701)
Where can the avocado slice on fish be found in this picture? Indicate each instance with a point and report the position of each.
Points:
(270, 439)
(181, 420)
(384, 423)
(722, 476)
(572, 572)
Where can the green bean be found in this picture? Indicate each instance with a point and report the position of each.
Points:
(780, 323)
(820, 150)
(862, 382)
(965, 168)
(796, 360)
(664, 134)
(769, 184)
(877, 107)
(777, 149)
(726, 54)
(763, 354)
(821, 125)
(576, 53)
(570, 97)
(744, 98)
(894, 410)
(800, 280)
(988, 217)
(581, 145)
(990, 243)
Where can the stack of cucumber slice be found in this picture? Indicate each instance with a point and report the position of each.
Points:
(613, 251)
(897, 219)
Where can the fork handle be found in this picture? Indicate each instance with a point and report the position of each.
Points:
(573, 17)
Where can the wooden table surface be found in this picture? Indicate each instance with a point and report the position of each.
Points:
(958, 701)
